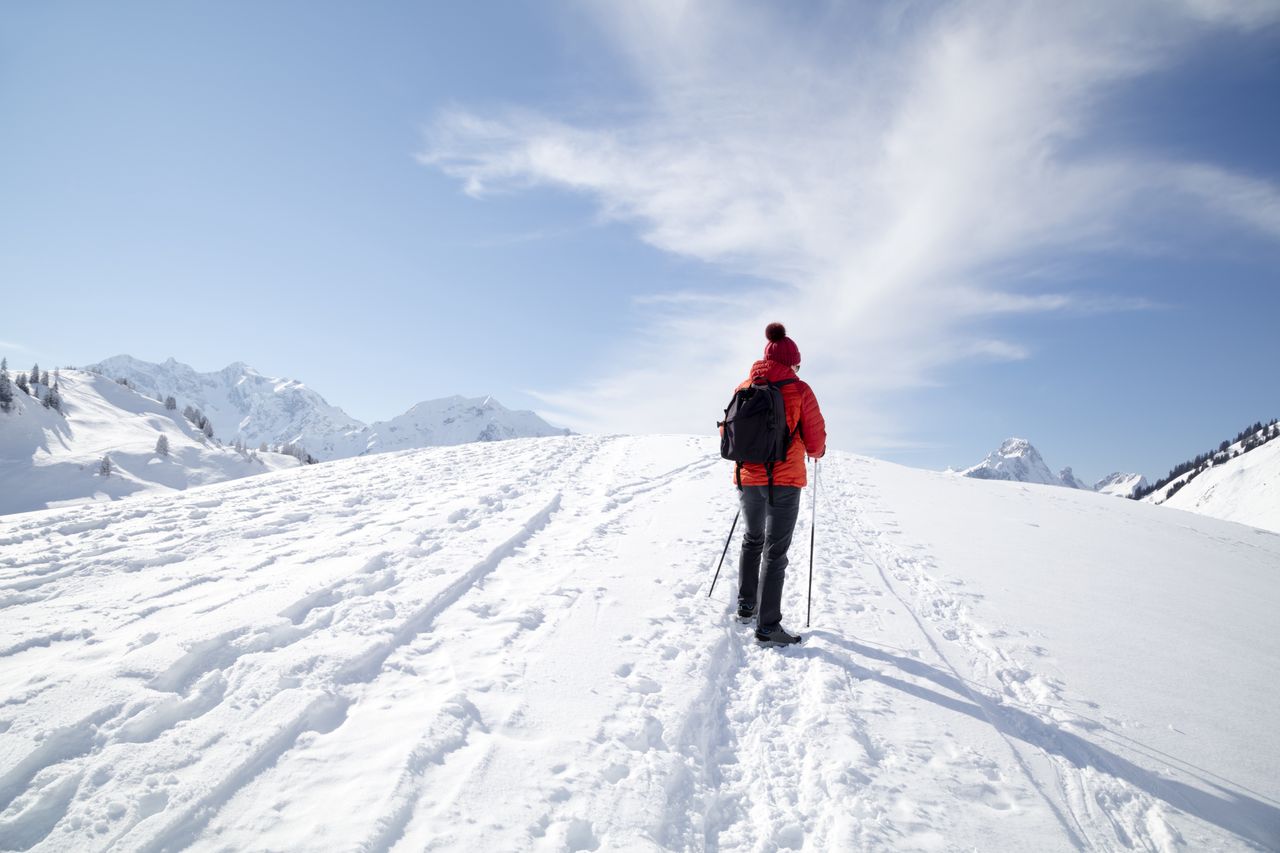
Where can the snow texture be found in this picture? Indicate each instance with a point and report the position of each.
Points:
(511, 647)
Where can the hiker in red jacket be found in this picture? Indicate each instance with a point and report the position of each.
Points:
(770, 523)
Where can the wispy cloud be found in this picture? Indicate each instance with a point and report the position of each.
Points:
(871, 164)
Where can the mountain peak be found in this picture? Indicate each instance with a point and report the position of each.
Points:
(1016, 460)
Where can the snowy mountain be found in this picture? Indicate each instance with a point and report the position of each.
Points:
(1120, 484)
(456, 420)
(1019, 461)
(242, 402)
(512, 648)
(1015, 460)
(49, 458)
(1244, 488)
(1068, 478)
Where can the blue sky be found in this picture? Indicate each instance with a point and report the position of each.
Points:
(977, 219)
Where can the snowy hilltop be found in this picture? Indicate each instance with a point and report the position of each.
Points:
(512, 648)
(1240, 481)
(240, 402)
(104, 441)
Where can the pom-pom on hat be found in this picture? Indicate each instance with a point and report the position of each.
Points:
(780, 348)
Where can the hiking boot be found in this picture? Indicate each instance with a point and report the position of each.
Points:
(745, 613)
(776, 636)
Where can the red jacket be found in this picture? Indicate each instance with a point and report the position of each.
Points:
(802, 408)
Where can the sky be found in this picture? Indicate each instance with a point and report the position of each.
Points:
(977, 220)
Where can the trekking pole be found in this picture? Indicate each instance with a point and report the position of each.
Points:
(813, 526)
(725, 551)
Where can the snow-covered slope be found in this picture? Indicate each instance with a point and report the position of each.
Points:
(1120, 484)
(242, 402)
(512, 648)
(49, 458)
(1017, 460)
(1244, 489)
(456, 420)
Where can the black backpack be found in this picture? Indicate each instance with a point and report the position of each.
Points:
(754, 428)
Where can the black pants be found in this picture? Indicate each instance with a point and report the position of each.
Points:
(768, 534)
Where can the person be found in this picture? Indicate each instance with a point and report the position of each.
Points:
(770, 523)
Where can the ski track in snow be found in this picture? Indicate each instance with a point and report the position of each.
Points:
(511, 647)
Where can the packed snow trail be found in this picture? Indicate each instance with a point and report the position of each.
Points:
(509, 646)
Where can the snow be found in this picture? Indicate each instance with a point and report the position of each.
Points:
(1120, 484)
(510, 646)
(1067, 477)
(50, 459)
(1016, 459)
(1245, 489)
(456, 420)
(243, 403)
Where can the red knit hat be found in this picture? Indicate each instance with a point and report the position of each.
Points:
(780, 348)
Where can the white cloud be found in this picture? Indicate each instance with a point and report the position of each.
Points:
(874, 163)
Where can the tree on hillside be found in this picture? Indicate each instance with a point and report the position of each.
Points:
(170, 404)
(162, 445)
(52, 400)
(207, 428)
(57, 377)
(6, 391)
(35, 374)
(104, 467)
(21, 382)
(44, 379)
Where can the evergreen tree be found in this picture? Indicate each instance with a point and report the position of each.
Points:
(21, 382)
(262, 448)
(170, 404)
(207, 428)
(104, 467)
(34, 376)
(6, 391)
(44, 379)
(162, 445)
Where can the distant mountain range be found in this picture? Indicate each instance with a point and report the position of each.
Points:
(115, 411)
(1018, 460)
(1240, 481)
(242, 403)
